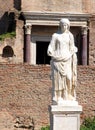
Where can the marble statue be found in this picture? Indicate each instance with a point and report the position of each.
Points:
(63, 63)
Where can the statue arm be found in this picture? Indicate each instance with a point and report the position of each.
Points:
(51, 47)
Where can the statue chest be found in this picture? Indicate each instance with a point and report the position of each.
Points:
(62, 42)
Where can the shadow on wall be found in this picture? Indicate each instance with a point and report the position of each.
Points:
(4, 23)
(17, 4)
(7, 22)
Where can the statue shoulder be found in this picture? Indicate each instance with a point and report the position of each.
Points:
(55, 35)
(70, 34)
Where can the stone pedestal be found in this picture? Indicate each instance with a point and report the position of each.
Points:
(65, 117)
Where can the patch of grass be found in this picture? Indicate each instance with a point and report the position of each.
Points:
(7, 35)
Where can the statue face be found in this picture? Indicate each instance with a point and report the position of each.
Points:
(64, 27)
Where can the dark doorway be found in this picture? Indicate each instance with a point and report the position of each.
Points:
(41, 53)
(76, 31)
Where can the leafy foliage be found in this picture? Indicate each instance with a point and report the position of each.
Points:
(7, 35)
(88, 124)
(45, 128)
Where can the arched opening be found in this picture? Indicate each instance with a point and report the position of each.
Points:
(8, 52)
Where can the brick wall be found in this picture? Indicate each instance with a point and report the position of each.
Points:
(25, 94)
(86, 89)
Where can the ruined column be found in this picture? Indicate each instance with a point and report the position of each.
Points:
(84, 44)
(27, 49)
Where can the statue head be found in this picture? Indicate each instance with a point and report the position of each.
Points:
(66, 22)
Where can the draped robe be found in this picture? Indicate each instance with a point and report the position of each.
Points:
(63, 63)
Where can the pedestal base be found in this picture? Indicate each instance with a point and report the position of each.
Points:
(65, 117)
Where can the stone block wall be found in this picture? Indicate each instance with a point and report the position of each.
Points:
(7, 9)
(6, 5)
(82, 6)
(8, 18)
(25, 95)
(68, 6)
(16, 43)
(52, 6)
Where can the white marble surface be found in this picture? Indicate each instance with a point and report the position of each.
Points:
(63, 63)
(66, 109)
(65, 117)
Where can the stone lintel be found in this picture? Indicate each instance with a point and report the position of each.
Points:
(54, 23)
(55, 16)
(46, 18)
